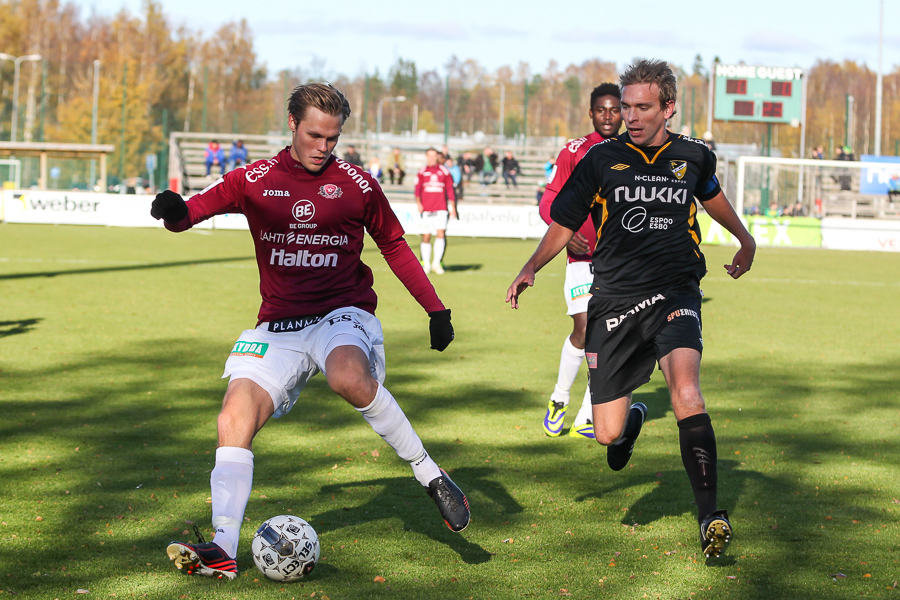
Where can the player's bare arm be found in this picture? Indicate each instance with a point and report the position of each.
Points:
(551, 244)
(720, 209)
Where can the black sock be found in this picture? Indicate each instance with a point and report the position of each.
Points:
(698, 453)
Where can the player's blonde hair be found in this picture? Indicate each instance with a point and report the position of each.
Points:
(653, 71)
(323, 96)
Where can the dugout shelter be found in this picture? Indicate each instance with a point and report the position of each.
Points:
(49, 156)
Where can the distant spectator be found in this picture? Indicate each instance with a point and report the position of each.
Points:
(375, 169)
(353, 157)
(844, 153)
(238, 156)
(396, 169)
(215, 156)
(486, 164)
(510, 168)
(456, 174)
(549, 166)
(466, 164)
(894, 187)
(773, 210)
(710, 142)
(819, 153)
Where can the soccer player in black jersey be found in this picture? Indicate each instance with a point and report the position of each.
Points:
(639, 187)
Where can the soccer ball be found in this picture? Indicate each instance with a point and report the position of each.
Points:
(285, 548)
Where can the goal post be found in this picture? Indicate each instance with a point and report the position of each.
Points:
(809, 187)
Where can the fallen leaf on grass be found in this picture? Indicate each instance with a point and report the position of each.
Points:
(81, 591)
(839, 576)
(730, 577)
(379, 579)
(508, 541)
(564, 592)
(867, 575)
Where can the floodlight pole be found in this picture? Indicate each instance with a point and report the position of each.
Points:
(709, 98)
(802, 138)
(94, 120)
(879, 82)
(17, 60)
(502, 104)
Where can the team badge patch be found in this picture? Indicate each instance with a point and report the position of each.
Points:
(331, 191)
(591, 359)
(242, 348)
(679, 168)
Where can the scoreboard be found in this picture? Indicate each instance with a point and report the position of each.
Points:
(758, 94)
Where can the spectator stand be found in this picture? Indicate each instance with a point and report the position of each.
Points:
(187, 168)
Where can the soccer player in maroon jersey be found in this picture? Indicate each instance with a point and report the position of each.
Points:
(436, 202)
(308, 212)
(640, 189)
(606, 116)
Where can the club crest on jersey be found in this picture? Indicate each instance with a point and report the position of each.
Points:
(330, 191)
(679, 168)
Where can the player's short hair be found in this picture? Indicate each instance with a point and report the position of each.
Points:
(652, 71)
(433, 149)
(605, 89)
(323, 96)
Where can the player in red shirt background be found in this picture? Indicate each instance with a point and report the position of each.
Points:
(308, 212)
(606, 115)
(436, 202)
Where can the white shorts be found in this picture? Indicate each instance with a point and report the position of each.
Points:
(579, 279)
(434, 221)
(282, 362)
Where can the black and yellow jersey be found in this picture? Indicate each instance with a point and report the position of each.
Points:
(642, 204)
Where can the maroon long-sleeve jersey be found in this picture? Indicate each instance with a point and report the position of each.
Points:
(434, 188)
(568, 157)
(308, 230)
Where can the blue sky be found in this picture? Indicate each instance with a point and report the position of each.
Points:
(352, 36)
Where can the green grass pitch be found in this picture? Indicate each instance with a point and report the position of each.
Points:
(112, 343)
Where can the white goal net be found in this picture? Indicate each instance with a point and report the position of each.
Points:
(817, 188)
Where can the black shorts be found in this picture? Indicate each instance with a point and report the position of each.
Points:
(626, 337)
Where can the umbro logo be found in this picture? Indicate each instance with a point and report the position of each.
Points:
(619, 167)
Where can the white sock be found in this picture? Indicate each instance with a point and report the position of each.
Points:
(439, 245)
(586, 412)
(388, 420)
(425, 247)
(569, 362)
(231, 482)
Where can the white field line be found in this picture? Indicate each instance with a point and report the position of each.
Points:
(541, 275)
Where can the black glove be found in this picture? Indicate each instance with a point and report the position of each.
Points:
(169, 207)
(441, 330)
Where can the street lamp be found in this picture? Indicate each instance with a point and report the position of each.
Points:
(380, 106)
(93, 180)
(15, 107)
